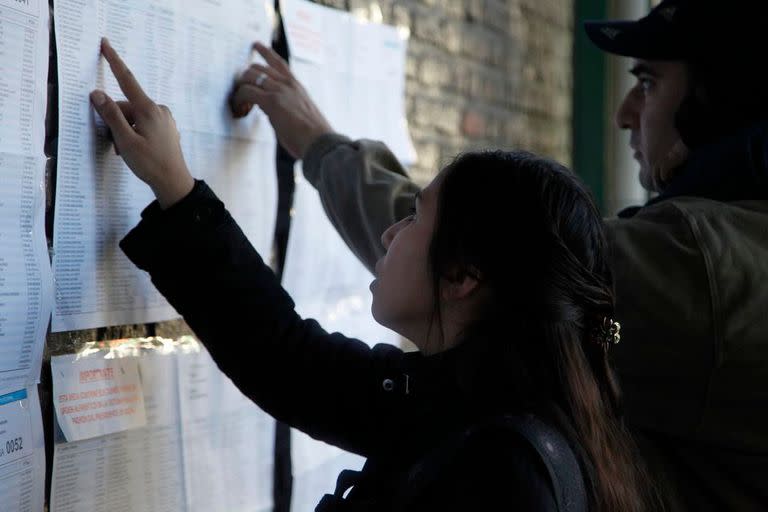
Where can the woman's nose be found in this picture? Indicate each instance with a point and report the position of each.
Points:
(389, 234)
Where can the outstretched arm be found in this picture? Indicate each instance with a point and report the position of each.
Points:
(362, 186)
(325, 384)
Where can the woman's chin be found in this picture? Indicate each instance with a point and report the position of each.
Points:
(377, 313)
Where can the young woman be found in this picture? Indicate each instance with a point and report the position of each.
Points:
(498, 276)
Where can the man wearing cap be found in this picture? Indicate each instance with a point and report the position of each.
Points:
(690, 266)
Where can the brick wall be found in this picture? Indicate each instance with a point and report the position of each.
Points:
(483, 73)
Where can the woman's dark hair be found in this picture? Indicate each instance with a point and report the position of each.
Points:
(528, 230)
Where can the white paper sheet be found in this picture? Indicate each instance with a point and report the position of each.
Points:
(96, 396)
(224, 434)
(205, 447)
(22, 452)
(355, 72)
(186, 55)
(325, 279)
(137, 470)
(26, 292)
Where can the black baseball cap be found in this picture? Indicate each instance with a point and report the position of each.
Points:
(673, 30)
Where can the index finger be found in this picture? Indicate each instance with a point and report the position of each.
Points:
(272, 58)
(125, 78)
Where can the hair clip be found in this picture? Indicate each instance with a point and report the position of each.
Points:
(607, 332)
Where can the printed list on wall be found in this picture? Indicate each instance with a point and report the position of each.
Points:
(186, 55)
(156, 427)
(25, 273)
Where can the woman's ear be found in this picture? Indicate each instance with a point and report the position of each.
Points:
(459, 284)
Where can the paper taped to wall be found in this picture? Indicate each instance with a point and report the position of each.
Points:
(186, 55)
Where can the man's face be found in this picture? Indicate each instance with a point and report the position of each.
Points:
(648, 111)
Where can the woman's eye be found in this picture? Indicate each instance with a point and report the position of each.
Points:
(645, 83)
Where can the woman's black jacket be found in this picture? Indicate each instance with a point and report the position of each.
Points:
(397, 409)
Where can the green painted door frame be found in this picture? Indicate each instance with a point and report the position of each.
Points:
(589, 93)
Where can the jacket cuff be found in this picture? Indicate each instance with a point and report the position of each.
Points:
(323, 145)
(159, 229)
(199, 191)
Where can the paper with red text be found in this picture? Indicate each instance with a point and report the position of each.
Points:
(95, 396)
(205, 446)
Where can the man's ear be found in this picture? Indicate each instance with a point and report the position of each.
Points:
(459, 284)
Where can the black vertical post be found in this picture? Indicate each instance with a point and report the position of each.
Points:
(283, 475)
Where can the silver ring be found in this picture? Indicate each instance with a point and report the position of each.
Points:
(261, 79)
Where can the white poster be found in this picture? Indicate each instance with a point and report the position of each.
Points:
(26, 291)
(224, 434)
(22, 452)
(186, 54)
(205, 447)
(353, 70)
(139, 469)
(96, 396)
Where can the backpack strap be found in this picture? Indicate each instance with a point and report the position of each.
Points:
(558, 457)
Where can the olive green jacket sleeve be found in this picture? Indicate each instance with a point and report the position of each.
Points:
(363, 189)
